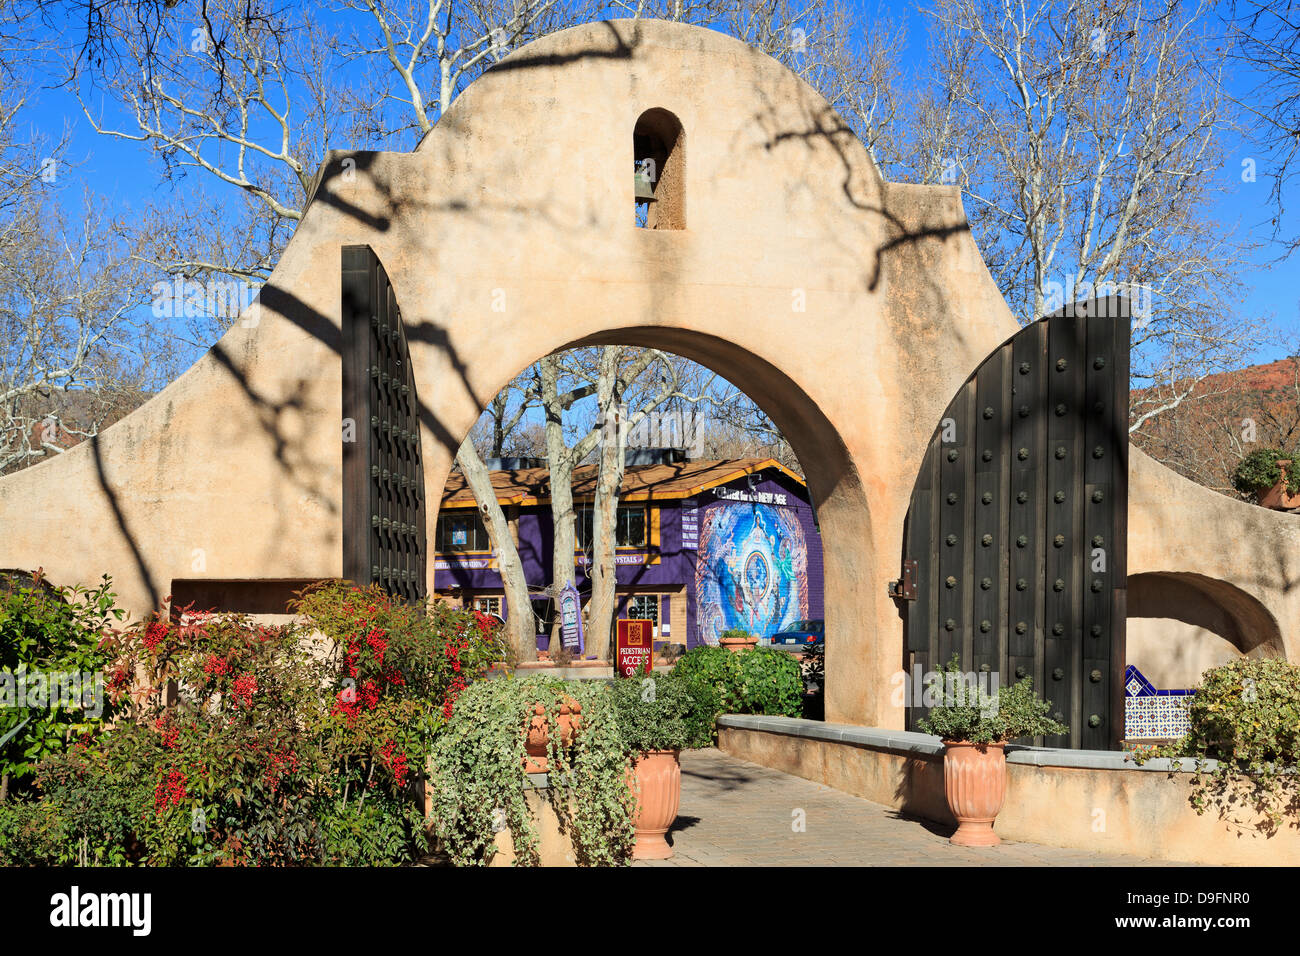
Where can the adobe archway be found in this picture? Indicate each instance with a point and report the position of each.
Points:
(850, 308)
(1181, 623)
(835, 487)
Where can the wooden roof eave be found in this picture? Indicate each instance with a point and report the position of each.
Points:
(649, 494)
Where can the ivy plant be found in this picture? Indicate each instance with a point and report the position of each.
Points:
(479, 786)
(1245, 717)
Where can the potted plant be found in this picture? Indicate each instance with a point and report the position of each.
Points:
(975, 726)
(737, 639)
(657, 718)
(1266, 476)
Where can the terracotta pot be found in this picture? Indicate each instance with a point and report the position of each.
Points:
(1277, 497)
(975, 783)
(656, 782)
(539, 732)
(737, 644)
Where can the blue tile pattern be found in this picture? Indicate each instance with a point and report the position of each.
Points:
(1151, 714)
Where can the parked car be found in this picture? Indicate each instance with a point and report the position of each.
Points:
(799, 634)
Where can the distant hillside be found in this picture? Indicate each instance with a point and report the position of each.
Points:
(63, 419)
(1227, 416)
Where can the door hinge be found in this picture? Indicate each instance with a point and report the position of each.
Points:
(904, 589)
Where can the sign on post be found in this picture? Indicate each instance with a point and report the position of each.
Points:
(571, 619)
(634, 647)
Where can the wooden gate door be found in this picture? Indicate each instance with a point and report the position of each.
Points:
(1014, 543)
(383, 475)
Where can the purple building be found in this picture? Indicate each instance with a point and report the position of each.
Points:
(703, 546)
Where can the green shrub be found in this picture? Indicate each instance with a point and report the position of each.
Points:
(771, 683)
(717, 670)
(1246, 715)
(1259, 471)
(267, 752)
(49, 631)
(661, 712)
(32, 834)
(99, 791)
(967, 713)
(701, 719)
(378, 832)
(755, 681)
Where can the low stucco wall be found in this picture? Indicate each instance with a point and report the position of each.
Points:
(1087, 800)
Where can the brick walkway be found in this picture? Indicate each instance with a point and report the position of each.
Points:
(735, 813)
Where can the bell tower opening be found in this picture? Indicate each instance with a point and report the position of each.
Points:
(659, 151)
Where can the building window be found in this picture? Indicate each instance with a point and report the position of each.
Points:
(462, 531)
(630, 531)
(644, 607)
(488, 605)
(659, 170)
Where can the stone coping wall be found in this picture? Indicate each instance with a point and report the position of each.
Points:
(1082, 799)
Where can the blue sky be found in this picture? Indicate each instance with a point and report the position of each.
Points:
(128, 174)
(1269, 289)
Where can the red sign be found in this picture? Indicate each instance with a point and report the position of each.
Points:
(634, 647)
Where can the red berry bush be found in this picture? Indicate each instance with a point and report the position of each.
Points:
(243, 744)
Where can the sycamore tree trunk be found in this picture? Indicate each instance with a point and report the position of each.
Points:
(609, 479)
(563, 518)
(520, 629)
(614, 375)
(560, 461)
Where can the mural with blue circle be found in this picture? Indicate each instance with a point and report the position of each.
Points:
(752, 570)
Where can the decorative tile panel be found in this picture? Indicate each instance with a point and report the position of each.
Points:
(1151, 714)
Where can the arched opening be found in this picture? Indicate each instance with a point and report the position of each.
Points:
(1181, 624)
(833, 491)
(659, 151)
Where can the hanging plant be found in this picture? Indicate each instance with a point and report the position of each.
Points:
(1244, 737)
(480, 786)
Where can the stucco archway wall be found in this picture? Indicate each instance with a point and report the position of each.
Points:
(848, 308)
(785, 212)
(1229, 568)
(508, 234)
(1180, 624)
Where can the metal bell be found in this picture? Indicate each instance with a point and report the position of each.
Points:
(644, 188)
